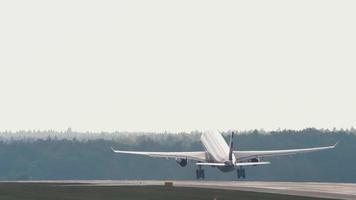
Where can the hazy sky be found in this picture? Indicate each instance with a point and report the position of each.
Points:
(177, 65)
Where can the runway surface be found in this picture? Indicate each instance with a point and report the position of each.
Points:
(310, 189)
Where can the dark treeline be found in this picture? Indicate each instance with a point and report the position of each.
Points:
(56, 157)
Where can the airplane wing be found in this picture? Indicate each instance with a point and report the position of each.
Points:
(246, 155)
(193, 155)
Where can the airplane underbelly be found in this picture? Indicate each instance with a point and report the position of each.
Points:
(226, 168)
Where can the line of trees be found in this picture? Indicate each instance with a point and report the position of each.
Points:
(69, 155)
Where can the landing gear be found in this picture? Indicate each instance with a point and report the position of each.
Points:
(200, 173)
(241, 173)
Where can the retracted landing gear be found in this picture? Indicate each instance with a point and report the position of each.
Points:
(241, 173)
(200, 173)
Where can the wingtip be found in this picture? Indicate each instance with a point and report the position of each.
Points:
(336, 143)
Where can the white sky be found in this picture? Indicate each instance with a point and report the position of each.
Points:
(177, 65)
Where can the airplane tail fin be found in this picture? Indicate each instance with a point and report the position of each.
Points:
(231, 145)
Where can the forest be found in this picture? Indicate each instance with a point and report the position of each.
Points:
(40, 155)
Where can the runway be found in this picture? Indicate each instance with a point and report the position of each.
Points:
(309, 189)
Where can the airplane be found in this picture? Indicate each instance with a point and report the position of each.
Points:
(221, 155)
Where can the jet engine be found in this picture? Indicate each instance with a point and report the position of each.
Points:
(254, 160)
(182, 162)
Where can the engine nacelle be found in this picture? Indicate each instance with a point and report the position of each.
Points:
(182, 162)
(254, 160)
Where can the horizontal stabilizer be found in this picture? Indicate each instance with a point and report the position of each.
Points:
(236, 164)
(251, 163)
(211, 164)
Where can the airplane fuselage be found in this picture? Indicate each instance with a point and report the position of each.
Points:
(217, 150)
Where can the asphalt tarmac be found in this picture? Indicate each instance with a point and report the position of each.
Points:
(309, 189)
